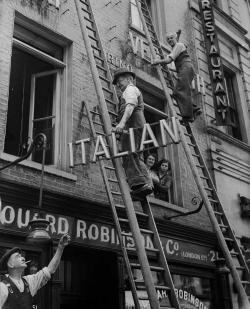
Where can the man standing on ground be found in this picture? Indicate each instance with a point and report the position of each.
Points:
(185, 73)
(16, 290)
(130, 115)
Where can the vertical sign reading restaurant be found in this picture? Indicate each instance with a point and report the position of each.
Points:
(222, 111)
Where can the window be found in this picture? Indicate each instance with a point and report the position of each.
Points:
(230, 82)
(162, 180)
(135, 16)
(34, 94)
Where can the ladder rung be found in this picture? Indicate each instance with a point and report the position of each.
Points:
(97, 123)
(88, 19)
(213, 201)
(101, 68)
(146, 231)
(83, 2)
(96, 113)
(234, 254)
(240, 268)
(92, 38)
(91, 29)
(208, 189)
(105, 79)
(84, 10)
(147, 249)
(245, 282)
(96, 48)
(116, 193)
(100, 133)
(139, 213)
(110, 167)
(228, 239)
(113, 180)
(110, 91)
(218, 213)
(162, 287)
(200, 166)
(223, 226)
(99, 58)
(123, 220)
(154, 268)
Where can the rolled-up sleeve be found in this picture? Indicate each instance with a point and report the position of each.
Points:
(177, 50)
(3, 294)
(131, 94)
(38, 280)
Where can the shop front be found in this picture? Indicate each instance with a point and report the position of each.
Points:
(92, 273)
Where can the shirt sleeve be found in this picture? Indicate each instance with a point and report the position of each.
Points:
(177, 50)
(38, 280)
(131, 94)
(3, 294)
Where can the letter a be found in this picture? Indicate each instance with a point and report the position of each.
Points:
(104, 151)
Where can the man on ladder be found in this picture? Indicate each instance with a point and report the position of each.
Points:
(185, 73)
(130, 115)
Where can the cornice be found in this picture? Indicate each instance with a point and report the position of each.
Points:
(215, 132)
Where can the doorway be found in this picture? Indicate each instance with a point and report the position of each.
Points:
(90, 279)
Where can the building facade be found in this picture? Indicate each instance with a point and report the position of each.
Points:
(46, 80)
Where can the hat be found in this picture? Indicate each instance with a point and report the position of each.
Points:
(121, 71)
(5, 258)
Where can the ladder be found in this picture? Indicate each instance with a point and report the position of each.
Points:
(229, 245)
(123, 211)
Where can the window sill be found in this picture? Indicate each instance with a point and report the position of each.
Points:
(167, 205)
(37, 166)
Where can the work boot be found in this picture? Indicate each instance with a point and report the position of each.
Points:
(140, 193)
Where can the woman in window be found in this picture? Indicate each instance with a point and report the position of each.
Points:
(150, 162)
(165, 180)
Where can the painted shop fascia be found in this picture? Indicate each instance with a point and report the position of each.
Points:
(95, 234)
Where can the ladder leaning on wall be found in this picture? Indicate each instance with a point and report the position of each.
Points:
(117, 188)
(229, 245)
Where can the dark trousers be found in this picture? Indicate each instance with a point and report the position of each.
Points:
(182, 89)
(133, 164)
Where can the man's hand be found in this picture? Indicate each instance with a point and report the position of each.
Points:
(155, 62)
(64, 240)
(119, 128)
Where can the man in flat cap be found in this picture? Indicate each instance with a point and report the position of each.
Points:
(131, 115)
(185, 74)
(16, 290)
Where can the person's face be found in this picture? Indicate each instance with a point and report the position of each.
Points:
(150, 161)
(16, 260)
(172, 40)
(122, 82)
(164, 167)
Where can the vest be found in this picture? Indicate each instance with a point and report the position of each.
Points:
(17, 299)
(137, 119)
(184, 56)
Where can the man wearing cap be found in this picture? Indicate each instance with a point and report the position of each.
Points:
(130, 115)
(185, 73)
(16, 290)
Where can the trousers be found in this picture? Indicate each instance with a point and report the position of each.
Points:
(135, 169)
(182, 89)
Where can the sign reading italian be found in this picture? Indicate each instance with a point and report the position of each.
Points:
(168, 130)
(221, 105)
(96, 234)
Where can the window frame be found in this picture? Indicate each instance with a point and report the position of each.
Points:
(60, 145)
(55, 110)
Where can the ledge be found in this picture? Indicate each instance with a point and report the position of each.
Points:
(37, 166)
(213, 131)
(167, 205)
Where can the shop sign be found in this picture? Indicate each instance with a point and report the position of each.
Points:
(101, 235)
(148, 138)
(186, 300)
(221, 105)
